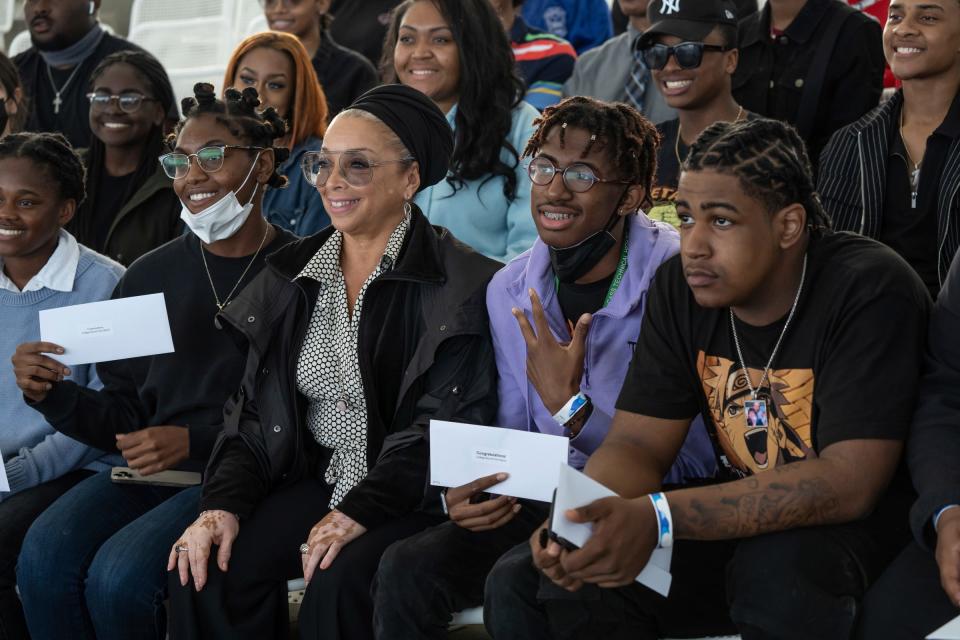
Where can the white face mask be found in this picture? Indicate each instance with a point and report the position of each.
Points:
(224, 217)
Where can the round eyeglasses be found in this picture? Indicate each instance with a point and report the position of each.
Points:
(355, 167)
(577, 177)
(128, 102)
(209, 159)
(689, 55)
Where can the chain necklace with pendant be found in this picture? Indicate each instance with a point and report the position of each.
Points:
(222, 305)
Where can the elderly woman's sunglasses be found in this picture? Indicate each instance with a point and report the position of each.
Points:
(689, 55)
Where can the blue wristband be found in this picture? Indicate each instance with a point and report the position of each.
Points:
(664, 520)
(936, 517)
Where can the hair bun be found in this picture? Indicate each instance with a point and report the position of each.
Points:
(204, 93)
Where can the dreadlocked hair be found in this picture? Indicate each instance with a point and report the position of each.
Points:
(148, 69)
(239, 112)
(629, 139)
(770, 160)
(489, 90)
(53, 154)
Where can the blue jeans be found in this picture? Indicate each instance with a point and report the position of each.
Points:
(93, 566)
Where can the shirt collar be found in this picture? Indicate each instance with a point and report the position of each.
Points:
(807, 21)
(950, 127)
(324, 266)
(57, 274)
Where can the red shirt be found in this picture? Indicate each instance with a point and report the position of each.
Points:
(878, 10)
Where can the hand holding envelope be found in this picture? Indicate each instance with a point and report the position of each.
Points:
(468, 508)
(36, 373)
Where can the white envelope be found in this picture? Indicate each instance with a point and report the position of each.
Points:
(461, 453)
(4, 484)
(949, 631)
(108, 330)
(575, 490)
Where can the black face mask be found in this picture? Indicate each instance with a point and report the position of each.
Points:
(572, 263)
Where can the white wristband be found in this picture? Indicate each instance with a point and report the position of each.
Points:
(664, 520)
(570, 409)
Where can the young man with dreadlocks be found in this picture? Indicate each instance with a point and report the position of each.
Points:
(159, 412)
(777, 331)
(572, 305)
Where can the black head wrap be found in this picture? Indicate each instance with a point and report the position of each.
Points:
(418, 122)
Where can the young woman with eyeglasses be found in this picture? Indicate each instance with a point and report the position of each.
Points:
(361, 334)
(132, 208)
(159, 412)
(456, 52)
(344, 74)
(277, 66)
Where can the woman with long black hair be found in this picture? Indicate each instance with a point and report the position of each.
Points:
(455, 51)
(132, 208)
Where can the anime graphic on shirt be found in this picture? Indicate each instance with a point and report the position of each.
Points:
(753, 435)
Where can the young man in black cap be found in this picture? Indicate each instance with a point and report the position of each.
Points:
(692, 54)
(817, 64)
(776, 330)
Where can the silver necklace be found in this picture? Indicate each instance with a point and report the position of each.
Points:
(226, 301)
(57, 100)
(776, 348)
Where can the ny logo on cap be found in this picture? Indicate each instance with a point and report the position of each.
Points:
(669, 6)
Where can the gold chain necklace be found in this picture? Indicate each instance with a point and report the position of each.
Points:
(216, 296)
(676, 146)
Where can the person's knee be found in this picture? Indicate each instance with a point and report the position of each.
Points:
(116, 580)
(398, 574)
(510, 575)
(45, 558)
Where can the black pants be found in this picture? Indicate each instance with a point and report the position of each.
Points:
(907, 602)
(17, 513)
(804, 584)
(250, 599)
(425, 579)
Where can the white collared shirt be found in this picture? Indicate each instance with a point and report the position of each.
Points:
(59, 272)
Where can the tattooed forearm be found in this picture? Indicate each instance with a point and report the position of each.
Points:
(777, 500)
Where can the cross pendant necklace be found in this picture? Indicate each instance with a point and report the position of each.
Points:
(57, 100)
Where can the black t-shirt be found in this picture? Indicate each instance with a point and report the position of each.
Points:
(73, 119)
(344, 75)
(111, 196)
(189, 386)
(361, 25)
(847, 368)
(578, 299)
(910, 227)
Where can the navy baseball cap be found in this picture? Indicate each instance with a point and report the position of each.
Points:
(692, 20)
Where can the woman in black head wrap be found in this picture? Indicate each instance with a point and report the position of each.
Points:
(360, 335)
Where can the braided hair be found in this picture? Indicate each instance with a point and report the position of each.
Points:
(629, 139)
(53, 154)
(770, 160)
(148, 69)
(239, 113)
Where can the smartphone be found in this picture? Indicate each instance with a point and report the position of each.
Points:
(548, 534)
(126, 475)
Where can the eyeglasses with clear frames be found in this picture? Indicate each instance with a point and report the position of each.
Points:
(128, 102)
(355, 167)
(209, 159)
(577, 177)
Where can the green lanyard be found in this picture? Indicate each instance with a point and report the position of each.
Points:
(617, 277)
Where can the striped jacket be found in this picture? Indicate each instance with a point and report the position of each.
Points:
(852, 181)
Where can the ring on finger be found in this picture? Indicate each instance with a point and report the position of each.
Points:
(304, 549)
(180, 548)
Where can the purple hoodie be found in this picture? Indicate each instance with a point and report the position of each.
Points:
(610, 344)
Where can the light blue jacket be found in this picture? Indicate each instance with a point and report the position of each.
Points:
(297, 208)
(478, 213)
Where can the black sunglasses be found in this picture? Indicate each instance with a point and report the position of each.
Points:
(689, 55)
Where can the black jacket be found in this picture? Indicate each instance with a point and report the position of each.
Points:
(933, 449)
(852, 181)
(851, 86)
(344, 74)
(425, 352)
(150, 218)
